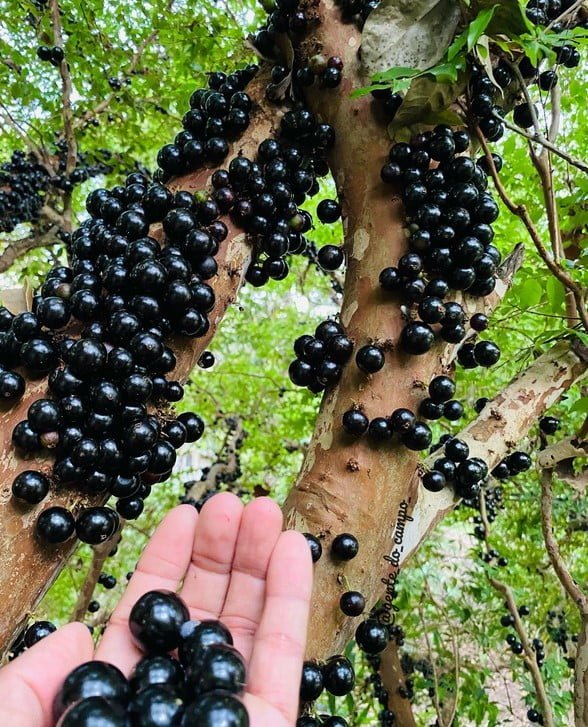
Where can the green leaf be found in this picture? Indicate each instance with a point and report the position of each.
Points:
(479, 25)
(530, 293)
(457, 45)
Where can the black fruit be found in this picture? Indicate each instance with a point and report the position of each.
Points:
(155, 621)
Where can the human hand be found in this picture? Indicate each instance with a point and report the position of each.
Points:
(234, 564)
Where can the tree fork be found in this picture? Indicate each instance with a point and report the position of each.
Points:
(27, 568)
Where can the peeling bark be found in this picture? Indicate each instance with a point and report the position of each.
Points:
(27, 568)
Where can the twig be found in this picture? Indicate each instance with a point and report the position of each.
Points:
(566, 13)
(18, 248)
(431, 656)
(68, 127)
(53, 216)
(29, 143)
(521, 211)
(544, 142)
(552, 547)
(100, 554)
(136, 57)
(528, 653)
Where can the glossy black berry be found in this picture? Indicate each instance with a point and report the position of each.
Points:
(30, 487)
(330, 257)
(12, 386)
(434, 481)
(549, 425)
(218, 667)
(55, 525)
(379, 429)
(479, 322)
(352, 603)
(311, 682)
(316, 549)
(372, 636)
(155, 621)
(96, 524)
(418, 437)
(216, 708)
(518, 462)
(453, 410)
(37, 631)
(92, 679)
(486, 353)
(417, 338)
(456, 450)
(338, 676)
(369, 359)
(344, 547)
(441, 389)
(355, 422)
(328, 210)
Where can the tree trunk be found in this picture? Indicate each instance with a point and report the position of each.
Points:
(27, 568)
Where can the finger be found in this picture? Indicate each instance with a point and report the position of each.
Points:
(29, 683)
(207, 580)
(260, 529)
(161, 567)
(278, 647)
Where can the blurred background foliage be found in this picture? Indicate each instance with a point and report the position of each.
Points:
(158, 51)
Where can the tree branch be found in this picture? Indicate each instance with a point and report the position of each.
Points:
(68, 128)
(19, 248)
(528, 653)
(502, 423)
(393, 680)
(540, 139)
(27, 569)
(521, 211)
(99, 555)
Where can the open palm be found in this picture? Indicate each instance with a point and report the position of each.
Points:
(235, 564)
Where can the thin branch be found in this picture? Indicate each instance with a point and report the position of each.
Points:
(68, 127)
(544, 142)
(53, 216)
(133, 63)
(18, 248)
(521, 211)
(100, 554)
(26, 139)
(552, 547)
(566, 13)
(528, 653)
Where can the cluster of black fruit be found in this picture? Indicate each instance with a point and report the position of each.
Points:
(449, 217)
(219, 472)
(24, 183)
(402, 423)
(128, 295)
(558, 631)
(372, 635)
(201, 687)
(284, 16)
(484, 101)
(53, 55)
(386, 717)
(328, 72)
(263, 197)
(465, 473)
(320, 358)
(217, 114)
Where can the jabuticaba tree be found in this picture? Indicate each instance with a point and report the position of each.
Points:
(422, 278)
